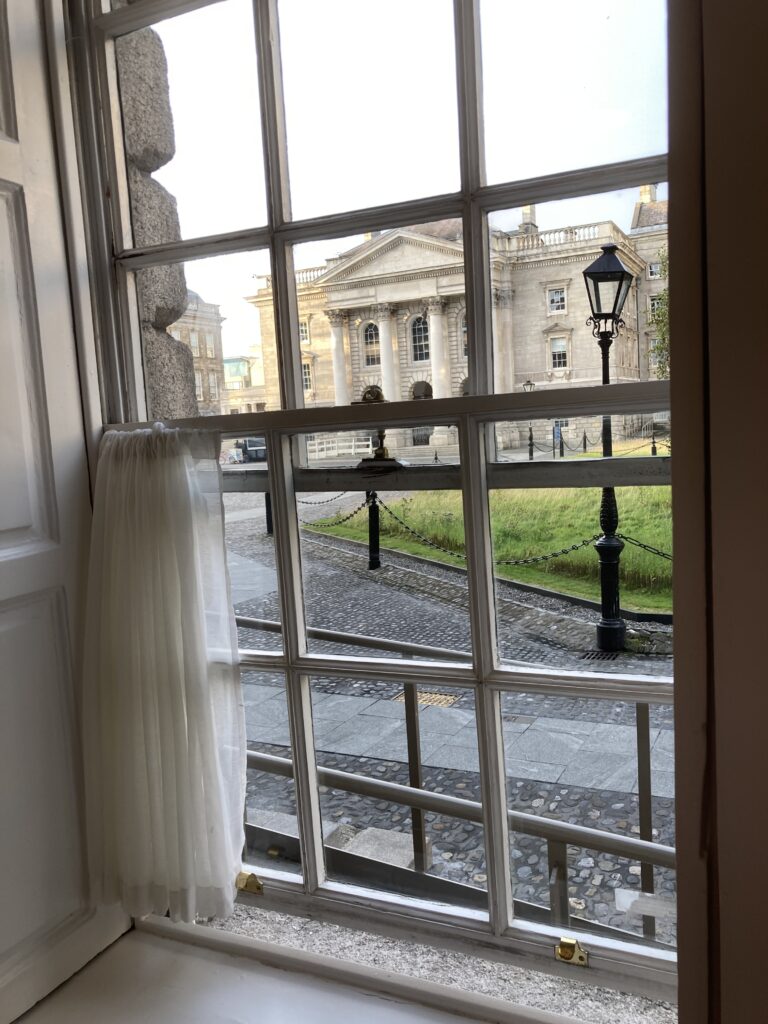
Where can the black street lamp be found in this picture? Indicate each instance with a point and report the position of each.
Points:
(528, 386)
(608, 282)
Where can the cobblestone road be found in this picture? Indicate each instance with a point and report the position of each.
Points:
(569, 758)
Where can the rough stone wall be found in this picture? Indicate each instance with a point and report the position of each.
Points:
(149, 144)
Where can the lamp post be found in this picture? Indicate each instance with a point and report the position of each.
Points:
(608, 282)
(528, 386)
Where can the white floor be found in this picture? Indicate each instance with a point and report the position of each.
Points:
(144, 979)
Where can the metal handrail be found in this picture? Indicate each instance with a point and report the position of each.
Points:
(360, 640)
(469, 810)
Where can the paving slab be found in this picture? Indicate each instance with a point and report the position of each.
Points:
(615, 739)
(338, 706)
(665, 741)
(386, 709)
(254, 693)
(259, 731)
(662, 783)
(594, 769)
(451, 755)
(553, 746)
(538, 770)
(249, 578)
(445, 721)
(357, 735)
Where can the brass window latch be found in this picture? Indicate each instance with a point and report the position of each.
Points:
(248, 882)
(570, 951)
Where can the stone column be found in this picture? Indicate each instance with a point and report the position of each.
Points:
(438, 349)
(383, 314)
(340, 389)
(503, 362)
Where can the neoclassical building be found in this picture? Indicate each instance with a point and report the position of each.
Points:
(392, 310)
(199, 327)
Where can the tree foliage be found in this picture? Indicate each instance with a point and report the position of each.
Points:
(660, 320)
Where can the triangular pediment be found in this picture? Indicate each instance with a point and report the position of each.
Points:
(394, 254)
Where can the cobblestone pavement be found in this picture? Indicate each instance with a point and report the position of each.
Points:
(569, 758)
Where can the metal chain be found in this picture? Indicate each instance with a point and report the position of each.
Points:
(420, 536)
(325, 501)
(645, 547)
(336, 522)
(553, 554)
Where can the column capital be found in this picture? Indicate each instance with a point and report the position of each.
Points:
(502, 296)
(436, 304)
(383, 311)
(336, 316)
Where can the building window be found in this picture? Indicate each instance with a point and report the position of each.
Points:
(421, 389)
(559, 349)
(306, 376)
(304, 332)
(194, 344)
(234, 410)
(371, 345)
(654, 304)
(654, 270)
(210, 351)
(213, 386)
(556, 300)
(198, 385)
(420, 436)
(464, 389)
(420, 339)
(464, 338)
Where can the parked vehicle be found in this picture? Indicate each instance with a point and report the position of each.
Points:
(254, 449)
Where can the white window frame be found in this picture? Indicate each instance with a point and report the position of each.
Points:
(424, 343)
(557, 339)
(213, 386)
(124, 402)
(303, 332)
(371, 349)
(194, 341)
(307, 377)
(654, 275)
(557, 288)
(210, 346)
(199, 385)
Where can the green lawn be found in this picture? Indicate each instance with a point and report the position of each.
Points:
(535, 522)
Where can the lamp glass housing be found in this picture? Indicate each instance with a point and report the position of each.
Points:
(608, 282)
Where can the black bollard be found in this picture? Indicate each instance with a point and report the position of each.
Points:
(268, 512)
(374, 560)
(584, 441)
(562, 446)
(530, 443)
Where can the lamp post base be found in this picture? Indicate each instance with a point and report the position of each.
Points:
(611, 634)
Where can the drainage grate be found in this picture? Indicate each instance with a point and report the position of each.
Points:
(440, 700)
(600, 656)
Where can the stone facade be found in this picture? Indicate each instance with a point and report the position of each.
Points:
(162, 291)
(392, 311)
(199, 329)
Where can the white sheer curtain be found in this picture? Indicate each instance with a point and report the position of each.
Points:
(163, 725)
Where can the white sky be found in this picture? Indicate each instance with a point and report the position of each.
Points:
(370, 94)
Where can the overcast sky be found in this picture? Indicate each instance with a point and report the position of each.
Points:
(370, 94)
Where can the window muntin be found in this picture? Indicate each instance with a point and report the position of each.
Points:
(303, 332)
(654, 305)
(654, 270)
(210, 349)
(306, 376)
(372, 353)
(213, 385)
(419, 340)
(199, 385)
(293, 372)
(194, 341)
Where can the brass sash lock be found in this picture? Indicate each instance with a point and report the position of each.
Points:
(569, 951)
(246, 882)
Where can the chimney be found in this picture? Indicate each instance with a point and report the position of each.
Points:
(647, 193)
(528, 220)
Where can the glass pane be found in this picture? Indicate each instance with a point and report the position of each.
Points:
(540, 305)
(361, 728)
(580, 111)
(201, 341)
(548, 589)
(384, 310)
(409, 589)
(272, 836)
(578, 761)
(190, 105)
(399, 135)
(251, 556)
